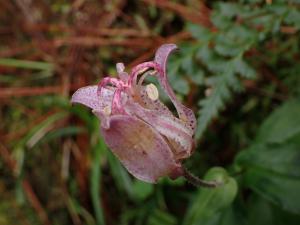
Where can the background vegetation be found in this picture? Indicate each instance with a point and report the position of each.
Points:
(238, 69)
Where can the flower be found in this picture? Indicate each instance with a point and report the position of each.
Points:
(148, 139)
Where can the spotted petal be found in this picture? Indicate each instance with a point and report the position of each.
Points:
(161, 58)
(140, 148)
(177, 134)
(88, 97)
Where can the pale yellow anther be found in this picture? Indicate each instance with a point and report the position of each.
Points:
(152, 92)
(152, 73)
(143, 71)
(107, 110)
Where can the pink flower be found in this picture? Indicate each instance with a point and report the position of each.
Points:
(138, 128)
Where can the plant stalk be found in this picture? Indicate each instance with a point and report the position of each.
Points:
(191, 178)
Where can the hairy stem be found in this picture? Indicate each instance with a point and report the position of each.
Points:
(198, 182)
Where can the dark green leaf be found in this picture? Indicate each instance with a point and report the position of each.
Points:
(159, 217)
(272, 165)
(281, 159)
(282, 124)
(141, 190)
(279, 189)
(261, 212)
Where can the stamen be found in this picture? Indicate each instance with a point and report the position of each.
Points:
(109, 80)
(140, 69)
(142, 79)
(117, 101)
(152, 92)
(143, 70)
(152, 73)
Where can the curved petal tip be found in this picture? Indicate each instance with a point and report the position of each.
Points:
(163, 52)
(87, 96)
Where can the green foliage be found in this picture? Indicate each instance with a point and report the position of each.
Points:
(282, 124)
(271, 164)
(209, 202)
(141, 190)
(26, 64)
(260, 212)
(224, 63)
(95, 181)
(222, 53)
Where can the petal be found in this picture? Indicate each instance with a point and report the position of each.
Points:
(88, 97)
(178, 134)
(161, 56)
(144, 100)
(140, 148)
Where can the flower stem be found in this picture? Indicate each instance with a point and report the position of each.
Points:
(199, 182)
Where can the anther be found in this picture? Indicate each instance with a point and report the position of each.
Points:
(143, 70)
(152, 92)
(152, 73)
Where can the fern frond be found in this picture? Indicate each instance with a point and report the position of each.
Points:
(224, 86)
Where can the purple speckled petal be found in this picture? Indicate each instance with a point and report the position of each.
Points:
(161, 58)
(140, 148)
(177, 133)
(143, 99)
(88, 97)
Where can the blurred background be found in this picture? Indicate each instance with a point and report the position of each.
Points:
(238, 68)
